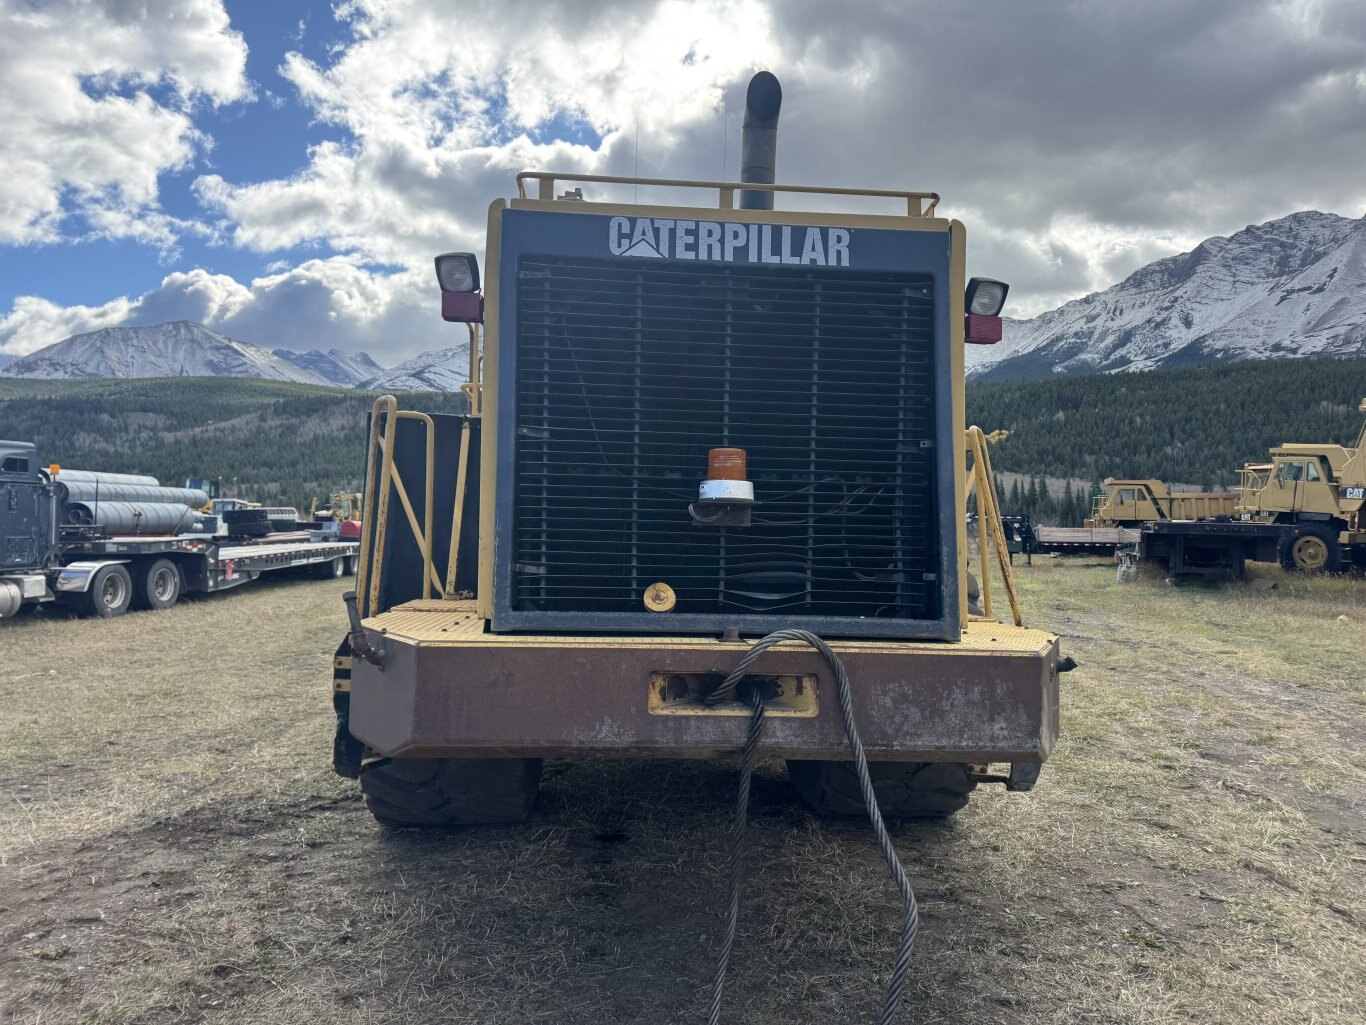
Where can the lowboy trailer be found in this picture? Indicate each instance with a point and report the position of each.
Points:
(103, 574)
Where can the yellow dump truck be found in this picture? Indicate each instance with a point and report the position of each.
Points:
(1303, 509)
(1131, 503)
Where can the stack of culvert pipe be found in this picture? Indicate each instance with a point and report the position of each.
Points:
(90, 476)
(83, 491)
(126, 503)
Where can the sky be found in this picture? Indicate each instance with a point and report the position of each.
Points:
(285, 171)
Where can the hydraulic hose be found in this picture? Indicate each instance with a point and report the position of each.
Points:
(910, 921)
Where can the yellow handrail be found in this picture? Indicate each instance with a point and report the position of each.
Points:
(375, 504)
(458, 513)
(726, 199)
(983, 482)
(472, 387)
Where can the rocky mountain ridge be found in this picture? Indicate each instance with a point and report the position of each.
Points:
(1295, 286)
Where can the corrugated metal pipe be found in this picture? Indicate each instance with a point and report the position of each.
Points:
(87, 476)
(103, 491)
(130, 517)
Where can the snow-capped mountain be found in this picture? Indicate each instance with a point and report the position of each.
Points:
(181, 348)
(439, 370)
(6, 360)
(1290, 287)
(345, 368)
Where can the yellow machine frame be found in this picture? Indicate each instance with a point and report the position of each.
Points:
(919, 216)
(384, 479)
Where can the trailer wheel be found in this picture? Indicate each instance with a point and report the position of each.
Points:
(332, 569)
(156, 585)
(111, 591)
(450, 791)
(1315, 550)
(905, 790)
(351, 562)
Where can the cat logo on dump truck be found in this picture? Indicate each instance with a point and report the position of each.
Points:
(728, 242)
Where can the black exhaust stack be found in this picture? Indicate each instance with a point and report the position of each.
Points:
(759, 144)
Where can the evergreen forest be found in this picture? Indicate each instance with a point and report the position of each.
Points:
(282, 443)
(1192, 426)
(274, 442)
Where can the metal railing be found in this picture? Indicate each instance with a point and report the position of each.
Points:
(382, 480)
(982, 482)
(915, 201)
(472, 388)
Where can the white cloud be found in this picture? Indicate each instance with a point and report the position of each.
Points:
(33, 322)
(332, 303)
(82, 129)
(1077, 141)
(440, 120)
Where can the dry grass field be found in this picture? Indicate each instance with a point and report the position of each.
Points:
(174, 847)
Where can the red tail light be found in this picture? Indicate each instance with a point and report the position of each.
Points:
(981, 330)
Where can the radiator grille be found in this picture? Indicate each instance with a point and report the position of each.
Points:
(629, 371)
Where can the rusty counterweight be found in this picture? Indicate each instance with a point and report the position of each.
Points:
(990, 698)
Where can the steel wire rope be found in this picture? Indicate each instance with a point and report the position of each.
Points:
(910, 921)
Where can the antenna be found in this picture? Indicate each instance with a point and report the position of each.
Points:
(636, 152)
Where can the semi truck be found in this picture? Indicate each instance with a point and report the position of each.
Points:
(101, 557)
(1302, 509)
(695, 419)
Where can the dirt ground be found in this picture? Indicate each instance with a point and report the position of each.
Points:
(174, 847)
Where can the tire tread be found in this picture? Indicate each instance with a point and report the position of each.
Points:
(450, 791)
(905, 790)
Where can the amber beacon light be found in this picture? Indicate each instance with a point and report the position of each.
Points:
(726, 478)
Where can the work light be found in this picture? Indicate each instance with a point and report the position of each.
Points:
(458, 272)
(985, 296)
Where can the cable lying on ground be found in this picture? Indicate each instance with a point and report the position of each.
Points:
(727, 691)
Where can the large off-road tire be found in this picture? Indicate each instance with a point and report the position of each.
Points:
(1314, 550)
(110, 594)
(905, 790)
(156, 585)
(450, 791)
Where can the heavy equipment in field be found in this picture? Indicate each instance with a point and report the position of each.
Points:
(341, 507)
(710, 496)
(1303, 509)
(691, 426)
(1131, 503)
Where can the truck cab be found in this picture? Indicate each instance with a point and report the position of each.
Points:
(1302, 483)
(1127, 503)
(28, 527)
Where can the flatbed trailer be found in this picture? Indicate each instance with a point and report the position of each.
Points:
(101, 569)
(108, 576)
(1083, 540)
(1215, 547)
